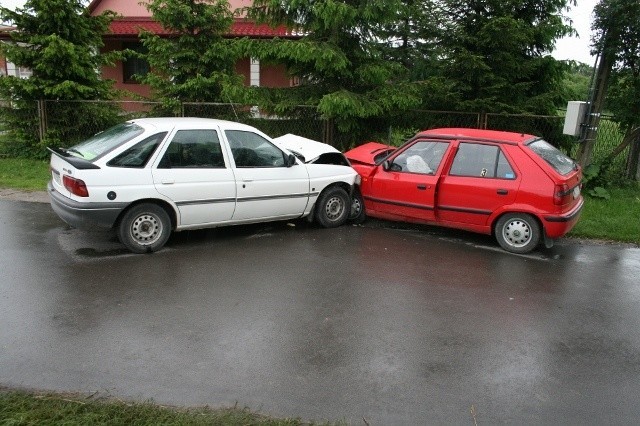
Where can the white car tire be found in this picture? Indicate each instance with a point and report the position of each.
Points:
(144, 228)
(333, 207)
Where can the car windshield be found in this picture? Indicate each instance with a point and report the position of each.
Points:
(556, 159)
(103, 142)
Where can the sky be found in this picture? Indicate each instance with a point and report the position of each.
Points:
(575, 48)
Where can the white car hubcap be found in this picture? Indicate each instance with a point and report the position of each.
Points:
(334, 208)
(146, 229)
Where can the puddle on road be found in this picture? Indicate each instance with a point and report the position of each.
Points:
(91, 252)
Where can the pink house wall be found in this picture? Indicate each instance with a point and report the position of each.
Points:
(134, 8)
(270, 75)
(115, 73)
(124, 8)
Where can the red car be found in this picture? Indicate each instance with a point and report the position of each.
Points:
(517, 187)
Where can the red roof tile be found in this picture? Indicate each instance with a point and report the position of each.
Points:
(240, 28)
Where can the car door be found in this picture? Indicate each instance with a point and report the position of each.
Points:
(195, 173)
(480, 181)
(405, 187)
(266, 187)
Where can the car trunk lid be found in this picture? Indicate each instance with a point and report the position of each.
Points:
(65, 167)
(565, 173)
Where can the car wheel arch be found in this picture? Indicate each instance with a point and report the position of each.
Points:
(515, 208)
(167, 207)
(496, 217)
(348, 188)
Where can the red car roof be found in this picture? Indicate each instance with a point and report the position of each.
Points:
(468, 133)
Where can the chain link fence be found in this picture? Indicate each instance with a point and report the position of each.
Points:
(27, 127)
(550, 127)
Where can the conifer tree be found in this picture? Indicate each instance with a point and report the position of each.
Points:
(341, 59)
(60, 43)
(498, 53)
(195, 63)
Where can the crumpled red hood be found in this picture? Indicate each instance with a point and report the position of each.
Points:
(366, 153)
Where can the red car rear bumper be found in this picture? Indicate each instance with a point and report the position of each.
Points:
(558, 225)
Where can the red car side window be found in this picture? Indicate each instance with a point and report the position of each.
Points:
(480, 160)
(423, 157)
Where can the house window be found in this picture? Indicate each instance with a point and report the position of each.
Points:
(254, 72)
(134, 67)
(16, 71)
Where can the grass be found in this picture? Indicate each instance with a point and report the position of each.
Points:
(615, 219)
(20, 173)
(22, 408)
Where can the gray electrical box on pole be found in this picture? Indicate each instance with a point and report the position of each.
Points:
(574, 119)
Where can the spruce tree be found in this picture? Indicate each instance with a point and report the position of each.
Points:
(340, 59)
(195, 63)
(60, 43)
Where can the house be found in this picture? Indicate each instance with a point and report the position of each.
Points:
(8, 68)
(133, 16)
(124, 34)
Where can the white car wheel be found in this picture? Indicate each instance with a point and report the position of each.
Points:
(333, 207)
(144, 228)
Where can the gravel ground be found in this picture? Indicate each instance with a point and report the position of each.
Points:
(20, 195)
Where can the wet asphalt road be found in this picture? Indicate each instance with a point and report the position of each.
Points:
(396, 326)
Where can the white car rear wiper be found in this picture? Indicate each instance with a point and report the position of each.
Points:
(75, 151)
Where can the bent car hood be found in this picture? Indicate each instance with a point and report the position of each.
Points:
(368, 153)
(308, 148)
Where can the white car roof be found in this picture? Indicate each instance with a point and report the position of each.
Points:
(167, 123)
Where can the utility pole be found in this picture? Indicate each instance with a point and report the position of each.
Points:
(597, 96)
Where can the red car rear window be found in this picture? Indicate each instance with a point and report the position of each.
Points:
(552, 155)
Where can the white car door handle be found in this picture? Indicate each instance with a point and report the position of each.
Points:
(168, 182)
(247, 180)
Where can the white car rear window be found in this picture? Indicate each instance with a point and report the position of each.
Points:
(104, 142)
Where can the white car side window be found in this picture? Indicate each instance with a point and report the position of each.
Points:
(252, 150)
(193, 149)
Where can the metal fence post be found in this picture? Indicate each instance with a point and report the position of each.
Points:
(483, 117)
(328, 134)
(42, 119)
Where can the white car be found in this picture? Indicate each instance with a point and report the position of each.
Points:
(149, 177)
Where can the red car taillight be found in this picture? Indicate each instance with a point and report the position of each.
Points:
(562, 194)
(75, 186)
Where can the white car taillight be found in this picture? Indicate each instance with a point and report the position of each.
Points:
(75, 186)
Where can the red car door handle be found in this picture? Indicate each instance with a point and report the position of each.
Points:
(502, 192)
(422, 187)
